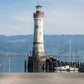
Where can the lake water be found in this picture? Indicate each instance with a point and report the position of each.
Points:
(17, 63)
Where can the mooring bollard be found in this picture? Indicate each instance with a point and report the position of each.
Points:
(9, 64)
(3, 65)
(25, 65)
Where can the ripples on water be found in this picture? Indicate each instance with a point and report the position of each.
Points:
(16, 64)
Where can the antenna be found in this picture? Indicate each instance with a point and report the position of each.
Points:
(70, 50)
(38, 2)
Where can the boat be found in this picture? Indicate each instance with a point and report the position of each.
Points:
(62, 68)
(74, 69)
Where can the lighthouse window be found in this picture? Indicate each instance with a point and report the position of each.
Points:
(36, 26)
(39, 20)
(40, 33)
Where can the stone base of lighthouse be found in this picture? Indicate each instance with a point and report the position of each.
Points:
(36, 64)
(41, 64)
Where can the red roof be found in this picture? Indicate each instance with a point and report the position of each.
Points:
(39, 13)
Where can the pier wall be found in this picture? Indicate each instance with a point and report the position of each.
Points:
(49, 63)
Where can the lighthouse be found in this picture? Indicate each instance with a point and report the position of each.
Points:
(38, 42)
(38, 59)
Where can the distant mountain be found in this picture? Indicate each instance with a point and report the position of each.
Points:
(54, 44)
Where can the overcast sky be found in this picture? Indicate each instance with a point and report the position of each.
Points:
(61, 16)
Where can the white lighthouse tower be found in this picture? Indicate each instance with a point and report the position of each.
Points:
(38, 59)
(38, 42)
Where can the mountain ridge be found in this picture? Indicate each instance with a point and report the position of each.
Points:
(54, 44)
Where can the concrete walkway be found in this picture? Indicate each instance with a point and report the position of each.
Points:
(41, 78)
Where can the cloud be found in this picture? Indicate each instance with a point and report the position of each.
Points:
(11, 29)
(22, 18)
(59, 22)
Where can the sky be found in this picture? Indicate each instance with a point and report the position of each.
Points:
(61, 17)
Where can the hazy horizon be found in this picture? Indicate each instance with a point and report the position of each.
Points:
(44, 34)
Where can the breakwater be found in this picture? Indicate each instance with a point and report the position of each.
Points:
(50, 64)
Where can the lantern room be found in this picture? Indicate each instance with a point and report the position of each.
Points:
(38, 9)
